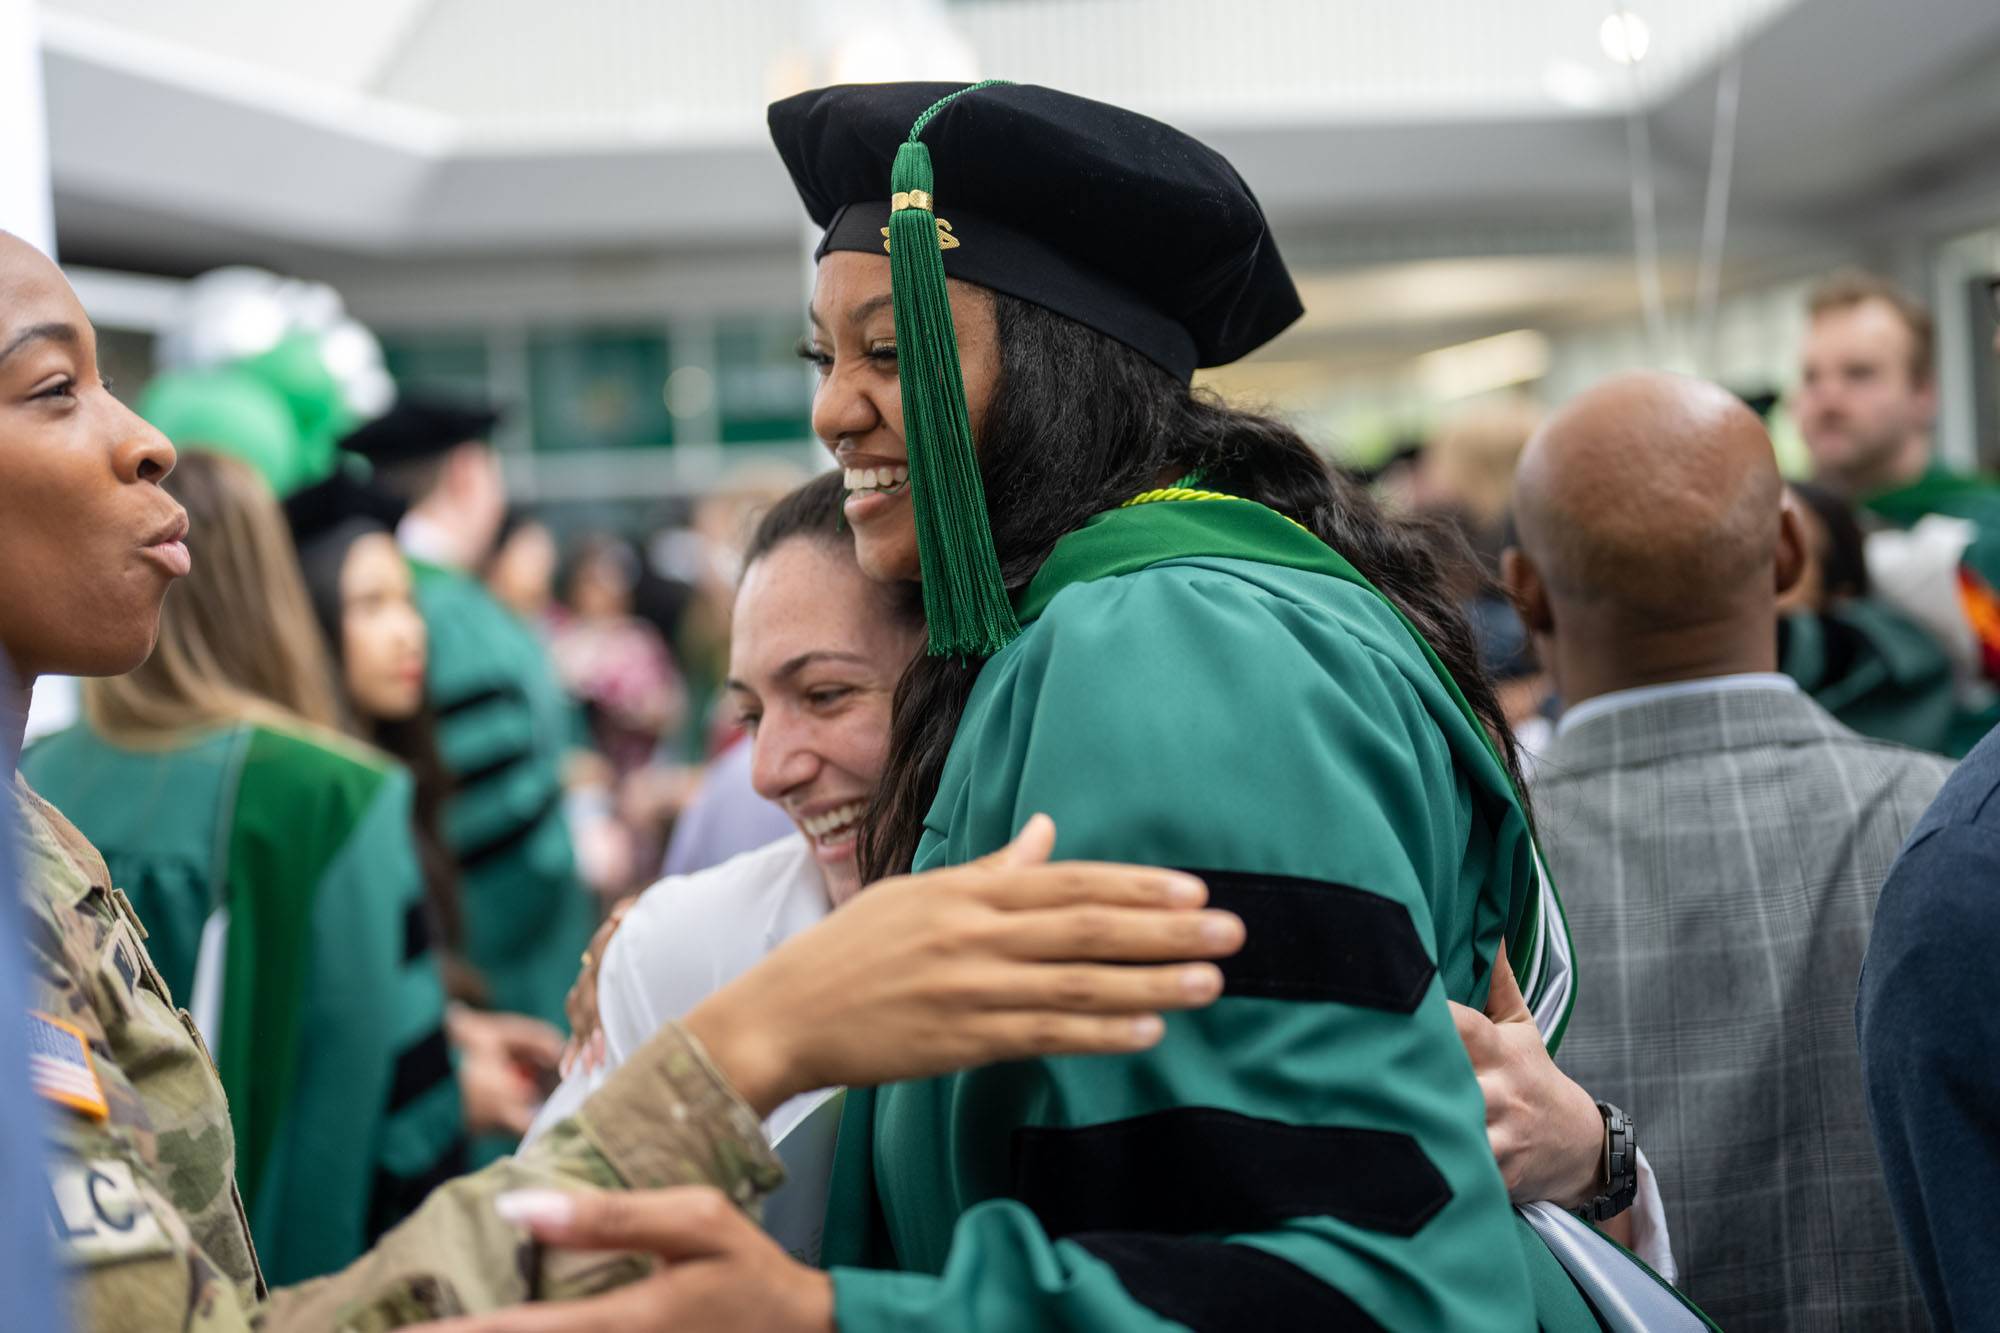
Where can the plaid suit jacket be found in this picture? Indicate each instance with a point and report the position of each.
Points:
(1719, 855)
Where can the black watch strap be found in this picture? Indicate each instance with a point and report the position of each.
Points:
(1621, 1166)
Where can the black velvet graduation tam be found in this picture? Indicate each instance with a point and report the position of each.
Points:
(420, 427)
(1100, 214)
(339, 499)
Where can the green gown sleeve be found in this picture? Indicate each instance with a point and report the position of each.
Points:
(1309, 1151)
(504, 727)
(1875, 670)
(369, 1119)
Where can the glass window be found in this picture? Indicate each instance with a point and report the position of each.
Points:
(599, 389)
(764, 391)
(443, 362)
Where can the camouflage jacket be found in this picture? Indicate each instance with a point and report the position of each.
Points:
(143, 1200)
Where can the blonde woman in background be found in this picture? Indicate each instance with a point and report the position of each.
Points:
(1466, 472)
(273, 862)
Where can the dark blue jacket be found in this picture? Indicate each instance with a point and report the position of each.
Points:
(1930, 1044)
(26, 1273)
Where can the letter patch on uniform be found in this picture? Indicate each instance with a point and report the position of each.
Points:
(98, 1214)
(59, 1063)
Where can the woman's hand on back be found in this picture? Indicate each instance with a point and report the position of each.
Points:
(584, 1051)
(1004, 958)
(1546, 1133)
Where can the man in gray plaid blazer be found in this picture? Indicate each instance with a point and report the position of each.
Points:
(1719, 841)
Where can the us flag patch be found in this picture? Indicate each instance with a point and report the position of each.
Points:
(60, 1068)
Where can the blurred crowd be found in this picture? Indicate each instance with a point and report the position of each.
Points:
(1888, 626)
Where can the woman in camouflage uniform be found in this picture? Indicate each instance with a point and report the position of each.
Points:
(915, 979)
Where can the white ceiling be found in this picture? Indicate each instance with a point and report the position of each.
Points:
(1429, 176)
(504, 73)
(409, 127)
(424, 126)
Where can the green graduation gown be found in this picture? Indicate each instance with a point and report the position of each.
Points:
(277, 879)
(1198, 686)
(504, 725)
(1876, 671)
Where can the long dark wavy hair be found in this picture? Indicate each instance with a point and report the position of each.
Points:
(413, 740)
(1080, 423)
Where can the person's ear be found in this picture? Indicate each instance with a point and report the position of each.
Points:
(1524, 586)
(473, 476)
(1789, 565)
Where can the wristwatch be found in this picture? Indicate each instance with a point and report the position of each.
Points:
(1621, 1166)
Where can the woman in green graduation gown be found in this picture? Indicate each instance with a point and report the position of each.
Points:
(273, 863)
(363, 596)
(1169, 624)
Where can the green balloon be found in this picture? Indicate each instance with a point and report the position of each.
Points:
(297, 372)
(229, 411)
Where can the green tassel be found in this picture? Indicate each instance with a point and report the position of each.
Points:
(965, 600)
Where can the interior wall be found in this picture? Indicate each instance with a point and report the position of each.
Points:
(24, 144)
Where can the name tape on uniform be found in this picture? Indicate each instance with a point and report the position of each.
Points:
(59, 1065)
(100, 1215)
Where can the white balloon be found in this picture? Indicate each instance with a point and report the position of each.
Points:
(353, 356)
(370, 394)
(226, 314)
(231, 313)
(316, 307)
(349, 349)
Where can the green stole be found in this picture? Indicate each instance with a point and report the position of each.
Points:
(1938, 491)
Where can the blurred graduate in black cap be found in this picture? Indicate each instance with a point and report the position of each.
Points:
(1169, 625)
(504, 723)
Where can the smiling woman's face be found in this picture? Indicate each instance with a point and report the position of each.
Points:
(88, 539)
(858, 405)
(815, 651)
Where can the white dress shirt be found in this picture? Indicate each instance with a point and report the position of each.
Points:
(686, 938)
(1601, 704)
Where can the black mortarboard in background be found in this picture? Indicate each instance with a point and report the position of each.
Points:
(340, 497)
(1103, 215)
(421, 427)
